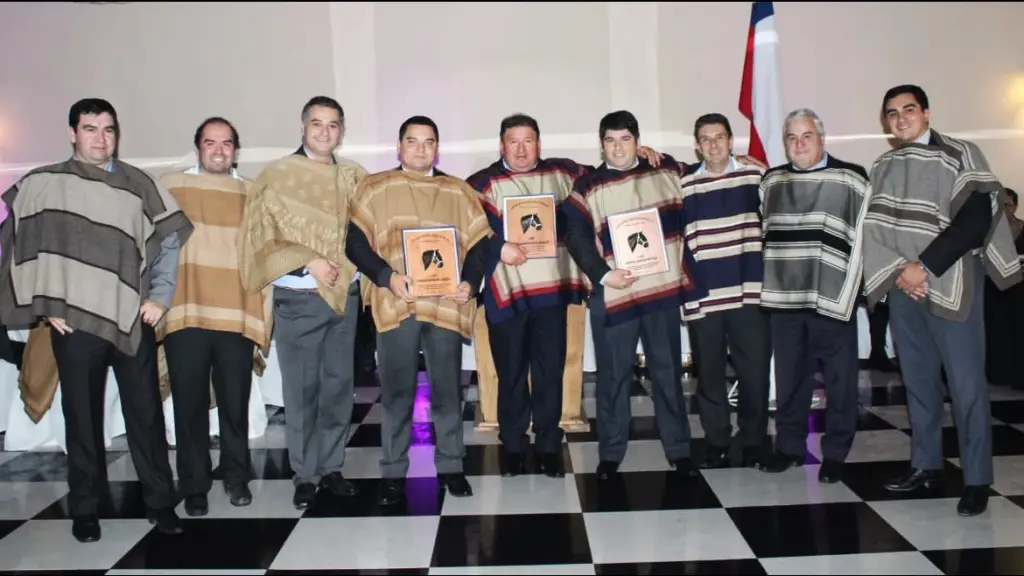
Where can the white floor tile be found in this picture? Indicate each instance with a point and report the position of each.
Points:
(935, 525)
(273, 438)
(1009, 473)
(473, 437)
(155, 572)
(664, 536)
(373, 416)
(558, 569)
(870, 446)
(369, 543)
(23, 500)
(641, 456)
(526, 494)
(366, 394)
(898, 416)
(364, 462)
(748, 487)
(49, 545)
(123, 469)
(866, 564)
(270, 499)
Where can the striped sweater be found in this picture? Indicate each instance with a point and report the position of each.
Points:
(812, 237)
(541, 282)
(607, 191)
(721, 215)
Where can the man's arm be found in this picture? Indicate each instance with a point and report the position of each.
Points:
(579, 241)
(475, 266)
(164, 272)
(359, 251)
(966, 232)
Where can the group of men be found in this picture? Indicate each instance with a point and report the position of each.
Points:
(758, 261)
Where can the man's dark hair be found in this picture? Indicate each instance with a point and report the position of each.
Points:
(217, 120)
(1013, 196)
(323, 102)
(620, 120)
(92, 106)
(916, 91)
(418, 121)
(518, 121)
(709, 120)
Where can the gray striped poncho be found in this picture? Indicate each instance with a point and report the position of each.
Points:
(812, 236)
(918, 190)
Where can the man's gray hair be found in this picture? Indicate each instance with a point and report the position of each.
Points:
(804, 113)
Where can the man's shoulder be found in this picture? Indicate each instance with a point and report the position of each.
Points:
(840, 164)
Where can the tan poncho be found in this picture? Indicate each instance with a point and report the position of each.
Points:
(296, 212)
(389, 202)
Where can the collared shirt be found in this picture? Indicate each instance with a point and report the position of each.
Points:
(636, 162)
(924, 138)
(732, 166)
(430, 174)
(818, 166)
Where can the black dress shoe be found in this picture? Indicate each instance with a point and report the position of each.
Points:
(607, 469)
(551, 465)
(456, 484)
(753, 458)
(196, 505)
(780, 462)
(239, 494)
(86, 528)
(392, 491)
(305, 495)
(513, 464)
(914, 479)
(166, 521)
(337, 484)
(715, 457)
(973, 502)
(684, 467)
(831, 471)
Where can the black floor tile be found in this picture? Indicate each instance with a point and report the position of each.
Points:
(43, 466)
(423, 497)
(1009, 411)
(485, 460)
(886, 396)
(710, 567)
(359, 412)
(368, 435)
(499, 540)
(8, 526)
(270, 464)
(995, 561)
(816, 529)
(364, 572)
(817, 421)
(639, 491)
(120, 500)
(208, 544)
(867, 480)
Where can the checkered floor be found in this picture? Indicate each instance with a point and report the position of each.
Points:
(729, 521)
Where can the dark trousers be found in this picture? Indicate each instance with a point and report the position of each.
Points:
(83, 361)
(531, 344)
(195, 357)
(365, 362)
(797, 338)
(399, 351)
(926, 344)
(747, 333)
(10, 351)
(878, 322)
(615, 349)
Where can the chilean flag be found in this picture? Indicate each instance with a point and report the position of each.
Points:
(760, 94)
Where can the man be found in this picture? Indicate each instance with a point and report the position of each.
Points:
(213, 326)
(71, 257)
(723, 232)
(293, 237)
(530, 302)
(627, 308)
(813, 212)
(936, 226)
(416, 195)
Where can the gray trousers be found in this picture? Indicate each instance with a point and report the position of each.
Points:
(398, 358)
(315, 349)
(615, 348)
(926, 344)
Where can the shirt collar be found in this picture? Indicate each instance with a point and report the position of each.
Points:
(731, 167)
(818, 166)
(636, 162)
(196, 170)
(431, 174)
(509, 168)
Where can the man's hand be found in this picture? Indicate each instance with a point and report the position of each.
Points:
(750, 160)
(461, 295)
(151, 312)
(619, 279)
(649, 154)
(325, 271)
(512, 254)
(59, 325)
(913, 280)
(399, 285)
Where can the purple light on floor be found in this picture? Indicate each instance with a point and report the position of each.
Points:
(422, 428)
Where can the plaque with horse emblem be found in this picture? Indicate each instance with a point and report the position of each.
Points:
(638, 242)
(432, 260)
(530, 223)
